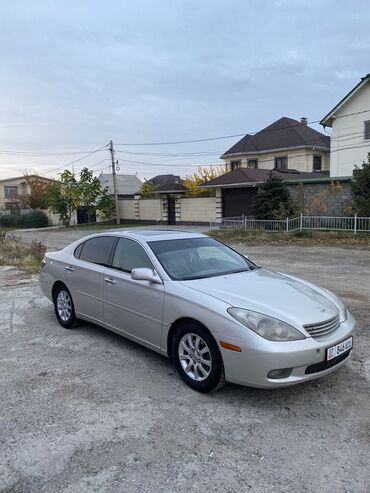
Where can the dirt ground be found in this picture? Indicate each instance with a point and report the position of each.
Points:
(86, 410)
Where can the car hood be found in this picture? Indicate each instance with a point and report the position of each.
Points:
(289, 299)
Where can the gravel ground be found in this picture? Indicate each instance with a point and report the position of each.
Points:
(86, 410)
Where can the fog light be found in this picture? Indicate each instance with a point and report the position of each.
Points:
(283, 373)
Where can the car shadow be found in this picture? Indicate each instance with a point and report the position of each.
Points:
(278, 398)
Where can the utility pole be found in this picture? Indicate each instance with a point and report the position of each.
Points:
(114, 179)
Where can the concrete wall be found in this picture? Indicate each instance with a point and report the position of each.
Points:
(188, 209)
(299, 159)
(200, 209)
(126, 208)
(348, 144)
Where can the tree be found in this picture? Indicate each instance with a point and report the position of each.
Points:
(63, 197)
(148, 189)
(106, 204)
(67, 195)
(36, 198)
(360, 186)
(90, 190)
(201, 177)
(273, 200)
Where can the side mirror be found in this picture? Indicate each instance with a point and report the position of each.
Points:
(145, 274)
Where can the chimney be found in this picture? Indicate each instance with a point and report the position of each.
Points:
(304, 120)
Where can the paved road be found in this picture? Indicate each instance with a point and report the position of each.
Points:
(55, 239)
(86, 410)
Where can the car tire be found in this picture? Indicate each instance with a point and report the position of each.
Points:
(64, 307)
(197, 357)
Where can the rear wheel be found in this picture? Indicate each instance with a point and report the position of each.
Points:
(197, 357)
(64, 308)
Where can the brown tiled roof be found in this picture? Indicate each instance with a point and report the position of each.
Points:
(251, 175)
(163, 179)
(282, 134)
(171, 188)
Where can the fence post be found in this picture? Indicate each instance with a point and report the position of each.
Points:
(355, 225)
(301, 222)
(287, 225)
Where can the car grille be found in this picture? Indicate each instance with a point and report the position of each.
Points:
(324, 365)
(323, 328)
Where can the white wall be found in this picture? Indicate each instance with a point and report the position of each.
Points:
(126, 208)
(199, 209)
(348, 144)
(299, 159)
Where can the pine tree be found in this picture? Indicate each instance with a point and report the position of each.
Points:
(273, 200)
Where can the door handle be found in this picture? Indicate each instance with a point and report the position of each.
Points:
(69, 268)
(109, 280)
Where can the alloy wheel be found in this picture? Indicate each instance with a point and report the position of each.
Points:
(195, 357)
(64, 305)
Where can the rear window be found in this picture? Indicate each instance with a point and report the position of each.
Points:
(97, 250)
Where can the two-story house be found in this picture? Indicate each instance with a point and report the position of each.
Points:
(285, 144)
(13, 190)
(350, 123)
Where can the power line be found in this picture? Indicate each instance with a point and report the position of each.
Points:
(76, 160)
(232, 136)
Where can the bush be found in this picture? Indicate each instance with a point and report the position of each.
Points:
(36, 219)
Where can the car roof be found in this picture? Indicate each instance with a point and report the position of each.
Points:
(152, 234)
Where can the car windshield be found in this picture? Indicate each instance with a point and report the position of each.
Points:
(197, 258)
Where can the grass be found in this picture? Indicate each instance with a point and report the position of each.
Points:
(301, 238)
(15, 252)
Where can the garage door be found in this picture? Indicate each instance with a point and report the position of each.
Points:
(238, 201)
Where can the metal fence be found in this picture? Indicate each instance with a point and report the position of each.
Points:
(354, 223)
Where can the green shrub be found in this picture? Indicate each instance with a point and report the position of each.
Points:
(9, 221)
(36, 219)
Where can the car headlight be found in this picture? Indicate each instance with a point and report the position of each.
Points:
(267, 327)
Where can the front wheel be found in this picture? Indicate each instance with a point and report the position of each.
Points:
(64, 308)
(197, 357)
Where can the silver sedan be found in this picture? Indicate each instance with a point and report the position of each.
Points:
(215, 313)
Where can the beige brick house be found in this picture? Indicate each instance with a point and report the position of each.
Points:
(12, 190)
(286, 144)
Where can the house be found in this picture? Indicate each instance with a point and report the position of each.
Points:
(13, 190)
(285, 144)
(236, 190)
(164, 180)
(350, 123)
(126, 184)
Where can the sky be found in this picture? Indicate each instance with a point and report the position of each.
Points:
(76, 74)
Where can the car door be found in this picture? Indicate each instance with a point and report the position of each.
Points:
(84, 275)
(133, 307)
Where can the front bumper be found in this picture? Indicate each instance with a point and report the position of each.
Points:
(259, 356)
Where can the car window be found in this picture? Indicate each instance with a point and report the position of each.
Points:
(130, 255)
(197, 258)
(77, 251)
(98, 250)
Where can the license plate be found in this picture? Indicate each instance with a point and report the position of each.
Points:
(338, 349)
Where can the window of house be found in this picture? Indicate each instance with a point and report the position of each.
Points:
(253, 163)
(367, 130)
(130, 255)
(235, 164)
(11, 192)
(281, 162)
(97, 250)
(317, 165)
